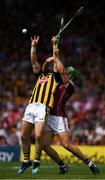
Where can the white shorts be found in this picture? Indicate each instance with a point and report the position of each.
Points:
(35, 112)
(57, 124)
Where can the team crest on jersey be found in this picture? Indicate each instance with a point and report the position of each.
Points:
(43, 80)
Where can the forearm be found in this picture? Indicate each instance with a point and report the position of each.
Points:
(59, 67)
(55, 52)
(34, 60)
(33, 55)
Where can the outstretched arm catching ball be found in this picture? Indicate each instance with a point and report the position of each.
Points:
(34, 58)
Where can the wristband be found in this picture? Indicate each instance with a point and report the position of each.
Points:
(33, 49)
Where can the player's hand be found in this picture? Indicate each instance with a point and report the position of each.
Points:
(34, 40)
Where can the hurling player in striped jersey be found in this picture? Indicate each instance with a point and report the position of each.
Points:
(40, 103)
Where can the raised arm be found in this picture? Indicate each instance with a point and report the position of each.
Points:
(54, 60)
(33, 55)
(58, 65)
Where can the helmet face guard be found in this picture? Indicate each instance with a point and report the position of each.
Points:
(74, 74)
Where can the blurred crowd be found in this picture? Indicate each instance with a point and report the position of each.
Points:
(81, 46)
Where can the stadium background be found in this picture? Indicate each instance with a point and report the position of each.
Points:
(82, 45)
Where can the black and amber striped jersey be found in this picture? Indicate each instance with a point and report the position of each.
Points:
(45, 88)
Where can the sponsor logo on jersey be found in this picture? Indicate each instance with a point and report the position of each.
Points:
(43, 80)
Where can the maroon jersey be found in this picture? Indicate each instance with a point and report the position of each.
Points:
(61, 97)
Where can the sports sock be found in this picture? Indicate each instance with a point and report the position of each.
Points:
(88, 162)
(26, 161)
(27, 157)
(61, 163)
(37, 157)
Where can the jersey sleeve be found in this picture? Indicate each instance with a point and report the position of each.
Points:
(70, 87)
